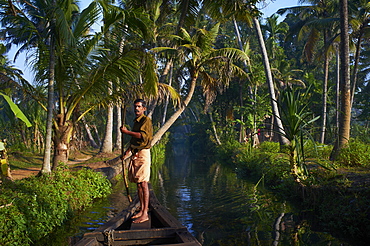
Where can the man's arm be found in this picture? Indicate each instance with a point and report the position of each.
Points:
(130, 133)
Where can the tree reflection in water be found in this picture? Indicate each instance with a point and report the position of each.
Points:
(220, 209)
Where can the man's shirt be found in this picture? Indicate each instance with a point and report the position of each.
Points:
(142, 124)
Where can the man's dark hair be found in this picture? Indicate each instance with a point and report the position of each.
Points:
(143, 103)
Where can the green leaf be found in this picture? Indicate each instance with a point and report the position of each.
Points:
(17, 112)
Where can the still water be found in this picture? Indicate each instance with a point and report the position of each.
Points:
(215, 206)
(220, 209)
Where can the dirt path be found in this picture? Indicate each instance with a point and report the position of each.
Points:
(24, 173)
(33, 171)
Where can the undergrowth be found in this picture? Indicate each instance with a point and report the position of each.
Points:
(326, 193)
(31, 208)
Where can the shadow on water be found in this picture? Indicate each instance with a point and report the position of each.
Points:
(220, 209)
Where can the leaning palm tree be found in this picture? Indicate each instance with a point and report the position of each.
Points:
(247, 12)
(201, 62)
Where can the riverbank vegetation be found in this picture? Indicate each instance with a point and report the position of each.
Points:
(34, 207)
(333, 196)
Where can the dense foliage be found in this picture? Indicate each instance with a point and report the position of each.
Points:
(239, 80)
(163, 47)
(32, 207)
(327, 196)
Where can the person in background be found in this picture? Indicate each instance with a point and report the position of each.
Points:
(139, 151)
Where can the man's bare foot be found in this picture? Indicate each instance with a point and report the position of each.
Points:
(141, 219)
(139, 214)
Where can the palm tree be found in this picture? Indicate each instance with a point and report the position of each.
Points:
(275, 33)
(102, 62)
(164, 15)
(270, 83)
(81, 66)
(247, 12)
(318, 19)
(345, 88)
(360, 24)
(201, 60)
(40, 25)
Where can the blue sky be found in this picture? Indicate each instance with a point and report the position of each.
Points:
(268, 7)
(272, 6)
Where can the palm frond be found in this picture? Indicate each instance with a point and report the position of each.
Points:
(151, 78)
(310, 44)
(82, 24)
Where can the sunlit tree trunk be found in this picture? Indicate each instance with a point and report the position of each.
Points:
(38, 139)
(107, 146)
(97, 134)
(118, 144)
(46, 167)
(345, 87)
(214, 130)
(337, 101)
(166, 70)
(167, 97)
(324, 93)
(270, 82)
(355, 67)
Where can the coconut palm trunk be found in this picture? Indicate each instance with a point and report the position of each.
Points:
(167, 98)
(158, 135)
(345, 87)
(324, 93)
(108, 138)
(270, 82)
(62, 137)
(118, 144)
(355, 66)
(214, 130)
(46, 167)
(107, 146)
(337, 85)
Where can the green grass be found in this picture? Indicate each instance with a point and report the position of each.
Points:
(24, 160)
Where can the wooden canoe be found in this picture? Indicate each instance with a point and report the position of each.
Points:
(161, 229)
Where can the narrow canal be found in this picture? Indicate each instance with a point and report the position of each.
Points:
(210, 200)
(220, 209)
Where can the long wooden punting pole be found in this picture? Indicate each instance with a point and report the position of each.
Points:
(123, 119)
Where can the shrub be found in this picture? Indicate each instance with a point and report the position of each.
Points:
(39, 204)
(357, 154)
(13, 223)
(264, 161)
(317, 150)
(228, 150)
(360, 132)
(270, 147)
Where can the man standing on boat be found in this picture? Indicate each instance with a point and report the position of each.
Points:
(139, 151)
